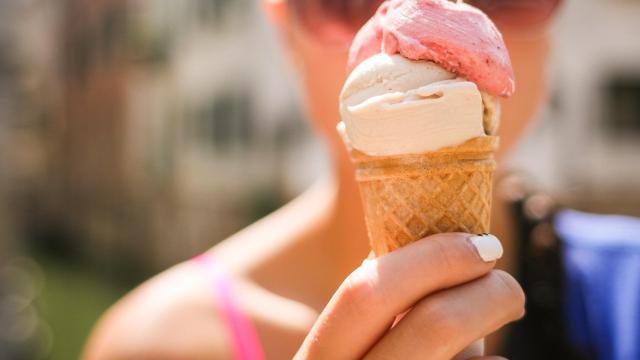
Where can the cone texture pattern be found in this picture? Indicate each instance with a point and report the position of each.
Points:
(408, 197)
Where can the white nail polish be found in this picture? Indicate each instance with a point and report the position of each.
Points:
(488, 246)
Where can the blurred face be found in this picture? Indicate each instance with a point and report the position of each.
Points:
(318, 34)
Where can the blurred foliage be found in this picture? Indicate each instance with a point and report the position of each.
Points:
(71, 301)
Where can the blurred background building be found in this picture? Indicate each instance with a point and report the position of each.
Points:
(161, 137)
(135, 134)
(585, 146)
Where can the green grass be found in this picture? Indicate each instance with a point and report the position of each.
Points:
(71, 301)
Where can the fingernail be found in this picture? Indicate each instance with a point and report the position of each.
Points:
(488, 246)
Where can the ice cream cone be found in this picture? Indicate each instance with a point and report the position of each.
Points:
(407, 197)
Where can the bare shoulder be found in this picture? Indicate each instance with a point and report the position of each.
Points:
(166, 317)
(175, 316)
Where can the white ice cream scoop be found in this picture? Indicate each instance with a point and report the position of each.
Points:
(391, 105)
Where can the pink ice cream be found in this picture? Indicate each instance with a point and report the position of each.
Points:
(458, 37)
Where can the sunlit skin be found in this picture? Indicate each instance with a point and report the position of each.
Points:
(287, 266)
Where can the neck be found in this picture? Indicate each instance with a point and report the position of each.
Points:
(349, 232)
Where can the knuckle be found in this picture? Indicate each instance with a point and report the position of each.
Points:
(465, 249)
(450, 251)
(359, 290)
(442, 251)
(513, 292)
(436, 317)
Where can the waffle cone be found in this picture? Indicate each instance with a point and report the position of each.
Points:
(408, 197)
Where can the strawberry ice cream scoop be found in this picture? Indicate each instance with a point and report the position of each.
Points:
(454, 35)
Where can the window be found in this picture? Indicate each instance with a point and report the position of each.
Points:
(622, 106)
(215, 11)
(225, 122)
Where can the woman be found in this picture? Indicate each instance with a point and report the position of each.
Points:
(265, 290)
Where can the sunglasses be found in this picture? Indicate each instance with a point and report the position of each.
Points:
(339, 20)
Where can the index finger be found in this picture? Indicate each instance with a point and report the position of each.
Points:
(366, 303)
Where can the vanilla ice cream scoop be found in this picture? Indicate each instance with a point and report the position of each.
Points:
(391, 105)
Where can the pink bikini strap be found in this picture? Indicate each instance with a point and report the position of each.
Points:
(246, 343)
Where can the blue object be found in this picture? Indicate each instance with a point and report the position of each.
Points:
(602, 291)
